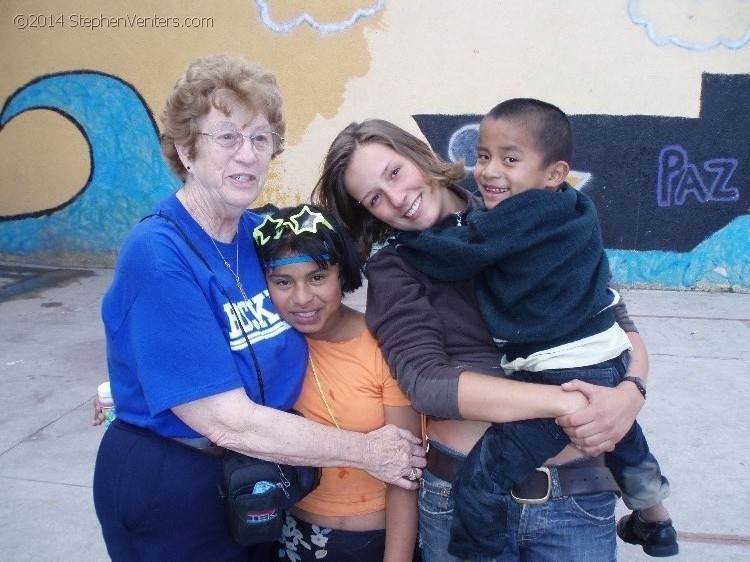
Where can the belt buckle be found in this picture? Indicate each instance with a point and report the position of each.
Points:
(536, 501)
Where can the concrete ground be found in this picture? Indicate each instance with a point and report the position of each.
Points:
(52, 359)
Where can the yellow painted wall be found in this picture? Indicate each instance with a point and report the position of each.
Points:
(42, 37)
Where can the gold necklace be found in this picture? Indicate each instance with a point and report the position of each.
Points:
(325, 402)
(322, 394)
(226, 263)
(236, 276)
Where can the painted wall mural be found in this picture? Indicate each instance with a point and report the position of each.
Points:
(660, 109)
(693, 24)
(673, 193)
(128, 174)
(324, 28)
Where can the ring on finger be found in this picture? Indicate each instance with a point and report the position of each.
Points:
(413, 475)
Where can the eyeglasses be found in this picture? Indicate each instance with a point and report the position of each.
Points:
(265, 143)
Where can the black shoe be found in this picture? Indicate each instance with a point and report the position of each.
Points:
(657, 539)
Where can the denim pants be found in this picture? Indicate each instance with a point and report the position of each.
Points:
(510, 452)
(580, 528)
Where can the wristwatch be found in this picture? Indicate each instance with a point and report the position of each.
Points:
(638, 383)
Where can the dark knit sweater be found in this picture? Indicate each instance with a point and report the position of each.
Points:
(429, 331)
(541, 270)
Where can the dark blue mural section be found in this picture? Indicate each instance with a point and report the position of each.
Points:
(676, 180)
(659, 183)
(672, 192)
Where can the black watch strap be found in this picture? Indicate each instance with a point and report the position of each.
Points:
(638, 383)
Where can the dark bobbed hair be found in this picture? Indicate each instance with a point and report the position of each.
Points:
(330, 192)
(336, 243)
(219, 81)
(550, 127)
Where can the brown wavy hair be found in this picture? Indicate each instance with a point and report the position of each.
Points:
(219, 81)
(330, 192)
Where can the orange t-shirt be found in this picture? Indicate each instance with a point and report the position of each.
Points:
(357, 384)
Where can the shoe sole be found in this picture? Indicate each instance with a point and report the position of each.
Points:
(653, 550)
(660, 551)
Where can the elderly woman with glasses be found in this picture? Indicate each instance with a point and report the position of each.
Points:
(199, 359)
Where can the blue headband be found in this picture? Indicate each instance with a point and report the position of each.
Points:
(292, 259)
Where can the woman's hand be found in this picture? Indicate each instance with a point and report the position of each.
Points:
(609, 416)
(98, 414)
(393, 455)
(612, 411)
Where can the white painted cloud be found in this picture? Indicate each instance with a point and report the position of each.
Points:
(694, 24)
(324, 28)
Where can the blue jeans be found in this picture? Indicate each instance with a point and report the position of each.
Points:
(435, 505)
(580, 528)
(508, 453)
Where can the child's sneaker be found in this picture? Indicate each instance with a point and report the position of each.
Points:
(657, 539)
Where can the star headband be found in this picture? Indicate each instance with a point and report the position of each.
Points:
(304, 221)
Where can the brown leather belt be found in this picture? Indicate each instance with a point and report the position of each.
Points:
(587, 476)
(441, 464)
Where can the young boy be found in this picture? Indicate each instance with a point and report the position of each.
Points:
(542, 279)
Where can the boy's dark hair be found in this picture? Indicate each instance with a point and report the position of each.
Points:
(553, 135)
(336, 244)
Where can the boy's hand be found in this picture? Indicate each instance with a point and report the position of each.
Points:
(572, 402)
(98, 415)
(609, 416)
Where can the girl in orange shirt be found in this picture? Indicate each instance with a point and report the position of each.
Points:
(310, 262)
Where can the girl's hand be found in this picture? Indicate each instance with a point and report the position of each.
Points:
(98, 414)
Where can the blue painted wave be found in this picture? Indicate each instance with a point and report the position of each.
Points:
(128, 174)
(722, 260)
